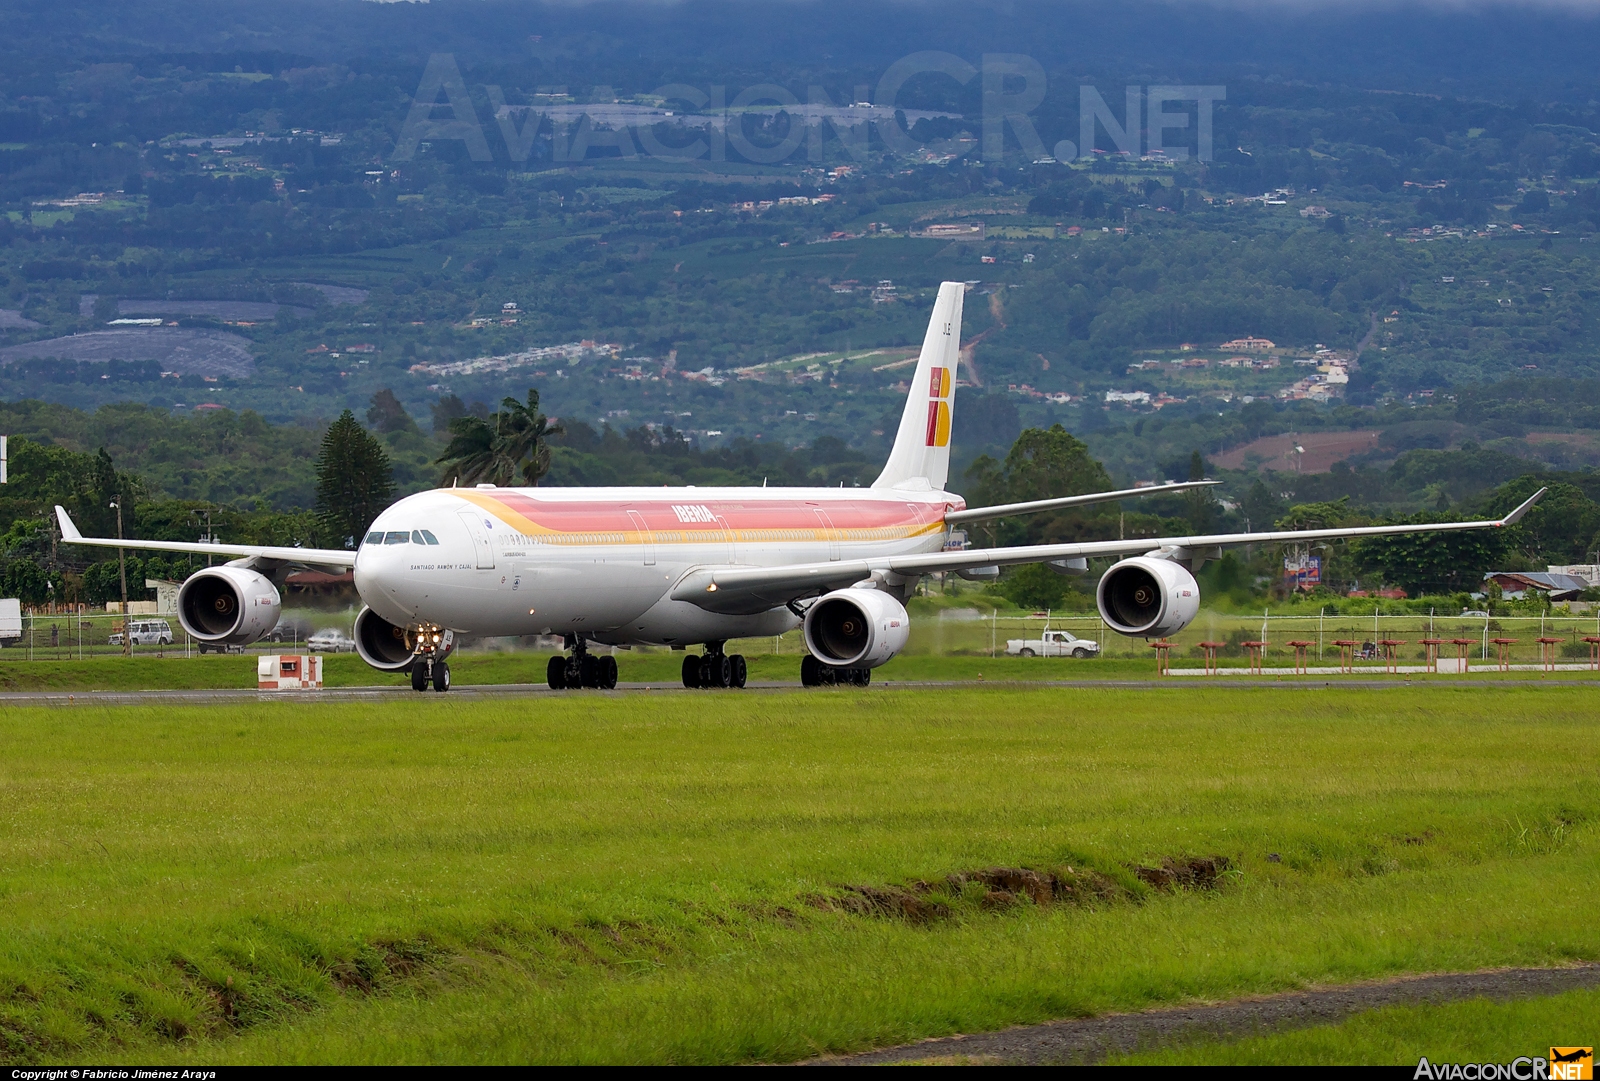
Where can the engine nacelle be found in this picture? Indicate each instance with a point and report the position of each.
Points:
(856, 628)
(382, 644)
(1144, 597)
(228, 606)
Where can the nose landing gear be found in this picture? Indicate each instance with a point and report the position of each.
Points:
(426, 670)
(432, 644)
(581, 669)
(714, 668)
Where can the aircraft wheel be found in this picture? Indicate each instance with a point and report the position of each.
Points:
(608, 673)
(441, 677)
(419, 677)
(810, 671)
(691, 671)
(861, 676)
(708, 675)
(740, 670)
(591, 671)
(722, 669)
(555, 673)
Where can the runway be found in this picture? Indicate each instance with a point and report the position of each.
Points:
(532, 690)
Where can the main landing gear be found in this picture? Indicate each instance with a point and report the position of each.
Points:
(813, 673)
(714, 669)
(426, 670)
(580, 669)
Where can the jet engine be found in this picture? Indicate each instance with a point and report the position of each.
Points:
(856, 628)
(382, 644)
(1148, 598)
(228, 606)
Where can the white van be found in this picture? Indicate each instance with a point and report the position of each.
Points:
(146, 632)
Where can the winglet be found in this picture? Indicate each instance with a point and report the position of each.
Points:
(1512, 518)
(69, 532)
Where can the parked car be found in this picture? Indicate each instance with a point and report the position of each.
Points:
(1053, 644)
(146, 632)
(331, 641)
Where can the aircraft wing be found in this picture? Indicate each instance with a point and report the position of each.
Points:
(979, 514)
(747, 590)
(311, 557)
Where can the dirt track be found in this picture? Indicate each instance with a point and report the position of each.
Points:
(1091, 1039)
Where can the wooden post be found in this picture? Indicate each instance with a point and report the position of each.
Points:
(1211, 655)
(1391, 653)
(1432, 646)
(1163, 650)
(1462, 645)
(1255, 651)
(1547, 652)
(1300, 656)
(1504, 645)
(1347, 654)
(1594, 652)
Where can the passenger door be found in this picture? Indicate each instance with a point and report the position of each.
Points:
(647, 539)
(476, 529)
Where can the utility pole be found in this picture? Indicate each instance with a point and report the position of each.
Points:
(122, 572)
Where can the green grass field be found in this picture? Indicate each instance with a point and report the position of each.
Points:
(1458, 1032)
(587, 878)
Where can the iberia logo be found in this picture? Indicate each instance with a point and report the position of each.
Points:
(939, 389)
(1571, 1064)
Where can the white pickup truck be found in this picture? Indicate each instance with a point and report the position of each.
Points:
(1053, 644)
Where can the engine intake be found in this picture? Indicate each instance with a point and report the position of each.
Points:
(228, 606)
(1148, 598)
(382, 644)
(856, 628)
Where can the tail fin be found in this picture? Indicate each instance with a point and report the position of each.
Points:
(921, 455)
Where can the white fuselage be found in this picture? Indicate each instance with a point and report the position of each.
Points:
(601, 562)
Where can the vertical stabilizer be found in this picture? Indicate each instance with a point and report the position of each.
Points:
(921, 455)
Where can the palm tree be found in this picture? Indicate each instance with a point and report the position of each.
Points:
(524, 436)
(470, 456)
(491, 452)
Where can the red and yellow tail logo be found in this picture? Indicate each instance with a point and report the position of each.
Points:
(939, 388)
(1571, 1064)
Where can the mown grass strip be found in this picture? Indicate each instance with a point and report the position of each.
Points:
(584, 878)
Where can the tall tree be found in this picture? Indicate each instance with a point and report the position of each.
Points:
(525, 435)
(355, 480)
(388, 415)
(515, 440)
(470, 457)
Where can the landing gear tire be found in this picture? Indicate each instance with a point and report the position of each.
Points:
(555, 673)
(813, 673)
(441, 677)
(691, 671)
(740, 670)
(419, 677)
(608, 673)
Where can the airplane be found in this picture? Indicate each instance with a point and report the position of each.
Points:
(688, 566)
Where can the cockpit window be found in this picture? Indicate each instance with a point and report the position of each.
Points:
(416, 537)
(398, 536)
(428, 536)
(375, 537)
